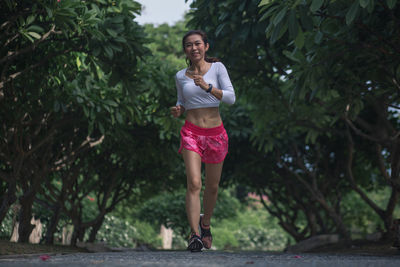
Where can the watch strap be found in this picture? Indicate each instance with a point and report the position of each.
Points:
(210, 87)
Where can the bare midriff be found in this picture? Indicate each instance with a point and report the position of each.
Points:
(204, 117)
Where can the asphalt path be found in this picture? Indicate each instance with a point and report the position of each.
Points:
(205, 258)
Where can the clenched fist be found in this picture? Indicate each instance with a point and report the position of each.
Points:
(198, 80)
(177, 111)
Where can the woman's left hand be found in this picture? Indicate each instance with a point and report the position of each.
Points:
(198, 80)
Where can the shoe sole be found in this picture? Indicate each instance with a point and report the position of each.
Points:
(196, 246)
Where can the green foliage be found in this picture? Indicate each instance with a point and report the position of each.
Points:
(166, 43)
(168, 208)
(86, 106)
(252, 229)
(119, 233)
(319, 90)
(361, 219)
(6, 226)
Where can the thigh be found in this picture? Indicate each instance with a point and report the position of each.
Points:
(193, 165)
(216, 148)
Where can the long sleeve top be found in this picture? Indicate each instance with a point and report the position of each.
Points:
(191, 96)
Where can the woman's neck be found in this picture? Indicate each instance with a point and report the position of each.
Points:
(199, 67)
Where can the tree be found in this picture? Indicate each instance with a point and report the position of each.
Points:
(312, 73)
(67, 75)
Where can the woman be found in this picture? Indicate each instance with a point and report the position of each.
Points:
(201, 86)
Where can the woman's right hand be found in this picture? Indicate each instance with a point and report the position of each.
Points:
(177, 111)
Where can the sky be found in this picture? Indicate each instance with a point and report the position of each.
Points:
(162, 11)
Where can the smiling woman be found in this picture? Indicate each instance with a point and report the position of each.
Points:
(161, 11)
(201, 87)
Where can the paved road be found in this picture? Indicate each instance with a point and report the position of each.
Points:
(207, 258)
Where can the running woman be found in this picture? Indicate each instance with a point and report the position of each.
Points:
(200, 88)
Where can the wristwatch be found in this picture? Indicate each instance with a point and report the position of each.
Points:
(210, 87)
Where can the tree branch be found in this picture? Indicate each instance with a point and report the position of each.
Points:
(359, 132)
(349, 170)
(12, 55)
(40, 63)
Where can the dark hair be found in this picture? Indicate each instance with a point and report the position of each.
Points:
(205, 40)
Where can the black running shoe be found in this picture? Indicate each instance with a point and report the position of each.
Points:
(195, 244)
(205, 233)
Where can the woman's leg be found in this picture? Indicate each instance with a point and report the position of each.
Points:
(193, 174)
(213, 176)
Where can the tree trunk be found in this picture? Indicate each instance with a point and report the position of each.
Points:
(25, 216)
(95, 229)
(78, 234)
(52, 228)
(8, 199)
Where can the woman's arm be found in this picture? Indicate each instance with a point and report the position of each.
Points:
(228, 93)
(177, 111)
(179, 107)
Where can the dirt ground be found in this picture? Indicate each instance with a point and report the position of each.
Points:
(12, 248)
(360, 247)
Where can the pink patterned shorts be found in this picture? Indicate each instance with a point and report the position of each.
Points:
(210, 143)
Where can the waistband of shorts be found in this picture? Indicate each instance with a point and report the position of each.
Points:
(204, 131)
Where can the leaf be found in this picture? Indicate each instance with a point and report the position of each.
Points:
(318, 37)
(49, 12)
(112, 32)
(290, 56)
(223, 16)
(78, 62)
(351, 13)
(306, 19)
(111, 103)
(293, 24)
(108, 51)
(316, 4)
(35, 28)
(280, 15)
(299, 41)
(391, 3)
(35, 35)
(364, 3)
(219, 29)
(30, 19)
(276, 33)
(268, 13)
(263, 3)
(119, 117)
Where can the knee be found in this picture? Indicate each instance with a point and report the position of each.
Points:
(194, 186)
(213, 189)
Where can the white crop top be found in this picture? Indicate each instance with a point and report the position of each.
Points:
(191, 96)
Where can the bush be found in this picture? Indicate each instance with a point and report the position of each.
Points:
(169, 209)
(119, 233)
(6, 226)
(252, 229)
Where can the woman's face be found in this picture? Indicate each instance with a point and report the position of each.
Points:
(194, 47)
